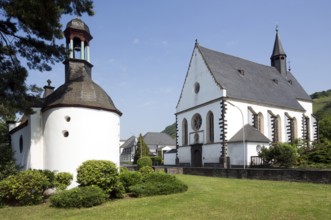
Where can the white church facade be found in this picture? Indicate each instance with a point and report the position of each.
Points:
(230, 107)
(74, 123)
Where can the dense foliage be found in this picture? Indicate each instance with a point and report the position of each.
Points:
(79, 197)
(158, 184)
(101, 173)
(170, 130)
(279, 155)
(130, 178)
(146, 170)
(29, 31)
(141, 150)
(24, 188)
(62, 180)
(144, 162)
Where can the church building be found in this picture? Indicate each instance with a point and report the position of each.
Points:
(76, 122)
(230, 107)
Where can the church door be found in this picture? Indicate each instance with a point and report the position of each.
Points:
(196, 155)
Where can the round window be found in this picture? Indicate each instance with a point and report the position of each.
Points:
(67, 118)
(196, 122)
(196, 87)
(65, 133)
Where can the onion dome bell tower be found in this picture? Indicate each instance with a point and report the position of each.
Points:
(78, 37)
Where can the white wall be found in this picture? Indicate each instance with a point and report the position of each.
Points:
(209, 90)
(22, 158)
(211, 153)
(169, 159)
(236, 152)
(93, 134)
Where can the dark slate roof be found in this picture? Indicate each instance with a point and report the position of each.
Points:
(81, 93)
(251, 135)
(278, 48)
(172, 151)
(129, 142)
(156, 138)
(246, 80)
(77, 23)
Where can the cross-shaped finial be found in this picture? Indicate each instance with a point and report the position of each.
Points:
(49, 82)
(277, 28)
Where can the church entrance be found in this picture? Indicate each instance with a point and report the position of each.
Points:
(196, 155)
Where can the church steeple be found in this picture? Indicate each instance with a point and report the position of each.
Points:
(278, 57)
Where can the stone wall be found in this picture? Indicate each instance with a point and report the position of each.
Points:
(297, 175)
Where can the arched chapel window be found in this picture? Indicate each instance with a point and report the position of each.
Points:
(260, 123)
(184, 132)
(210, 127)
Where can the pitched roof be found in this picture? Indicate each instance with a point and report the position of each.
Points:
(129, 142)
(278, 48)
(251, 135)
(157, 138)
(246, 80)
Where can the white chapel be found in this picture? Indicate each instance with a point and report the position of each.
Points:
(76, 122)
(229, 107)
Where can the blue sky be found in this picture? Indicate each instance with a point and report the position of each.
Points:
(141, 49)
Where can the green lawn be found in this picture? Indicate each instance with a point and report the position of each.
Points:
(207, 198)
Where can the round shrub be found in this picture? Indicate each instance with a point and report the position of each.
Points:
(78, 197)
(143, 162)
(123, 169)
(118, 191)
(146, 170)
(130, 179)
(101, 173)
(158, 184)
(63, 180)
(50, 175)
(24, 188)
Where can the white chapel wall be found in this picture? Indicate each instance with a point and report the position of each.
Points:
(92, 134)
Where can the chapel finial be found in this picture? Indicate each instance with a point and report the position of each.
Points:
(277, 28)
(49, 82)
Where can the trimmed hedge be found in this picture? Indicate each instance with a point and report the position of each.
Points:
(24, 188)
(79, 197)
(101, 173)
(158, 184)
(143, 162)
(146, 170)
(63, 180)
(130, 179)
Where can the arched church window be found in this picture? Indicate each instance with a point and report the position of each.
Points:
(184, 132)
(196, 122)
(260, 123)
(210, 127)
(21, 144)
(295, 129)
(277, 129)
(196, 88)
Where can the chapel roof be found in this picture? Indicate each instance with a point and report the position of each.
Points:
(77, 23)
(250, 81)
(80, 92)
(251, 135)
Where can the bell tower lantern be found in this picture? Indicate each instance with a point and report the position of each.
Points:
(78, 37)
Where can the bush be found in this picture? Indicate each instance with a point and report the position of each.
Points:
(157, 160)
(101, 173)
(124, 169)
(63, 180)
(118, 191)
(158, 184)
(130, 179)
(146, 170)
(279, 155)
(24, 188)
(50, 175)
(143, 162)
(78, 197)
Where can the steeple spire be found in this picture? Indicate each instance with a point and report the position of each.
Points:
(278, 57)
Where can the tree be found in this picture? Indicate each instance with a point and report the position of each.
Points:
(279, 155)
(28, 32)
(325, 129)
(140, 153)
